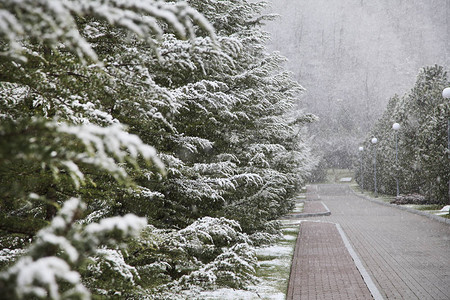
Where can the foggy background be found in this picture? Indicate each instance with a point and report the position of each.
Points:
(351, 56)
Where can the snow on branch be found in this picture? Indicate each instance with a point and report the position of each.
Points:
(214, 230)
(199, 189)
(225, 168)
(46, 269)
(40, 278)
(113, 260)
(49, 21)
(267, 148)
(235, 268)
(106, 147)
(54, 22)
(127, 226)
(248, 179)
(194, 144)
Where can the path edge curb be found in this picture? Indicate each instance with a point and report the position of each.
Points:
(364, 274)
(411, 210)
(327, 212)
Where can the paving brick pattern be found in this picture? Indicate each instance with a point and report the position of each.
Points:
(312, 193)
(322, 267)
(406, 255)
(314, 207)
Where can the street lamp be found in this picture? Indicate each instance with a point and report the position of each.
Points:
(374, 141)
(396, 128)
(446, 95)
(361, 149)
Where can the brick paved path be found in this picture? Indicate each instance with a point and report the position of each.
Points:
(406, 255)
(322, 267)
(310, 209)
(314, 207)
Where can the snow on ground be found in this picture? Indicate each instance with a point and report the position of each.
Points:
(229, 294)
(7, 255)
(274, 251)
(298, 207)
(441, 212)
(273, 272)
(275, 263)
(289, 225)
(346, 179)
(290, 237)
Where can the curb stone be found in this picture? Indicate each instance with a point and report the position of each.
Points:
(327, 212)
(322, 285)
(411, 210)
(364, 274)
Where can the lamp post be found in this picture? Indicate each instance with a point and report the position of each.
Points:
(361, 149)
(374, 142)
(396, 128)
(446, 95)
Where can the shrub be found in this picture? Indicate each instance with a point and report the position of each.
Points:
(410, 199)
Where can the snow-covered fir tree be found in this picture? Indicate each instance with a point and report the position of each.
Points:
(422, 141)
(171, 111)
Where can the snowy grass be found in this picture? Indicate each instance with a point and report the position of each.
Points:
(298, 207)
(273, 271)
(431, 207)
(434, 209)
(7, 255)
(335, 175)
(371, 194)
(275, 264)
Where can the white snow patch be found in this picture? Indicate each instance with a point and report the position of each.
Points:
(446, 208)
(9, 254)
(274, 251)
(129, 224)
(441, 213)
(289, 237)
(47, 272)
(229, 294)
(275, 262)
(293, 229)
(114, 260)
(290, 223)
(298, 208)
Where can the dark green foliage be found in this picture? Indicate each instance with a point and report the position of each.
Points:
(227, 153)
(423, 162)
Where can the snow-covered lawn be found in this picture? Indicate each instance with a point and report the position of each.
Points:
(438, 210)
(6, 255)
(298, 207)
(273, 271)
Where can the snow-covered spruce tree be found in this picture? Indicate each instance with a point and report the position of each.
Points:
(58, 135)
(263, 139)
(385, 151)
(230, 100)
(213, 106)
(422, 140)
(53, 101)
(209, 96)
(48, 268)
(214, 97)
(209, 253)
